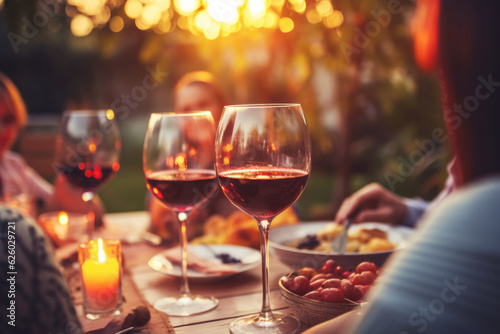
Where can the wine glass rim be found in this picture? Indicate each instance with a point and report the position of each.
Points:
(182, 113)
(262, 105)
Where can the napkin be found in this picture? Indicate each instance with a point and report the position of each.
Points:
(201, 265)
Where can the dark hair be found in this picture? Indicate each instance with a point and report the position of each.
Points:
(469, 58)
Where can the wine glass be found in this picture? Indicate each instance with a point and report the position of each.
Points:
(263, 162)
(178, 163)
(87, 153)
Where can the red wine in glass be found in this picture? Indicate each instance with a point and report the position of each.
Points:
(88, 177)
(178, 163)
(87, 152)
(182, 190)
(263, 162)
(263, 192)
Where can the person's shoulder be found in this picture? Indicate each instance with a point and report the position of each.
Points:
(481, 198)
(14, 158)
(466, 218)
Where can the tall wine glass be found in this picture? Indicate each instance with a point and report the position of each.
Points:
(263, 162)
(178, 163)
(87, 152)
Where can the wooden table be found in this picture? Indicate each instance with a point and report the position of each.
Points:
(238, 295)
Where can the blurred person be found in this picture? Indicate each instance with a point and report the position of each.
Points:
(36, 299)
(19, 179)
(199, 91)
(446, 279)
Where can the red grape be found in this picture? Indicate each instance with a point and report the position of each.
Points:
(317, 277)
(365, 278)
(298, 285)
(347, 287)
(315, 295)
(332, 295)
(331, 283)
(366, 266)
(307, 272)
(329, 266)
(316, 284)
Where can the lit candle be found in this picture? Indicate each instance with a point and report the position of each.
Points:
(61, 227)
(64, 227)
(101, 272)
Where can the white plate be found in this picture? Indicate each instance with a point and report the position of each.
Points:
(250, 259)
(298, 258)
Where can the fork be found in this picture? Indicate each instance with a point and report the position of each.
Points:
(340, 243)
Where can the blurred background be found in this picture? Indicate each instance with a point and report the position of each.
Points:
(373, 115)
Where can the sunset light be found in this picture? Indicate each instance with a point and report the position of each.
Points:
(208, 18)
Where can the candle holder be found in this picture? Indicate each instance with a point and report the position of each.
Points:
(101, 272)
(64, 227)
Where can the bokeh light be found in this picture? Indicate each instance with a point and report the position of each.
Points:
(223, 11)
(286, 24)
(209, 18)
(313, 16)
(133, 8)
(186, 7)
(334, 20)
(256, 9)
(116, 24)
(324, 8)
(81, 25)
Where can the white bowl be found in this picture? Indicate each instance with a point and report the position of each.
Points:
(299, 258)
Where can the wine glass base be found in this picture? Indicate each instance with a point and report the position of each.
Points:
(185, 305)
(254, 324)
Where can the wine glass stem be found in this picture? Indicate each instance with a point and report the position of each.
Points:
(182, 216)
(87, 197)
(265, 312)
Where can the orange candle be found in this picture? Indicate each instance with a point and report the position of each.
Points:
(101, 276)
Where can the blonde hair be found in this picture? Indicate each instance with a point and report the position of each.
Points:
(10, 96)
(204, 78)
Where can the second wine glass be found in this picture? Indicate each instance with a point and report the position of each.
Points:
(179, 168)
(263, 162)
(87, 152)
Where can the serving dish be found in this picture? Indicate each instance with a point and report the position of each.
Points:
(280, 237)
(313, 312)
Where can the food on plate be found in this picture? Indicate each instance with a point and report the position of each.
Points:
(362, 240)
(196, 263)
(239, 228)
(332, 285)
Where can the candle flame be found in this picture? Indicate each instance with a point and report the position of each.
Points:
(101, 256)
(92, 147)
(63, 218)
(110, 114)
